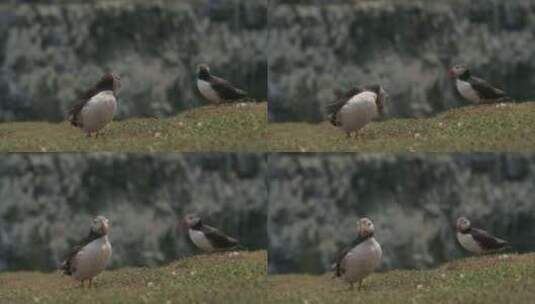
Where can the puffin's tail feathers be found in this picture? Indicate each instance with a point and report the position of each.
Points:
(332, 112)
(241, 247)
(506, 246)
(65, 267)
(73, 115)
(72, 120)
(333, 120)
(505, 99)
(242, 93)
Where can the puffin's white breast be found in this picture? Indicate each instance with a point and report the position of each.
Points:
(358, 111)
(199, 239)
(467, 91)
(467, 242)
(362, 260)
(98, 111)
(92, 259)
(207, 91)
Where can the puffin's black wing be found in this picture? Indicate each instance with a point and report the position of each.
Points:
(74, 112)
(218, 239)
(333, 108)
(339, 267)
(225, 89)
(485, 90)
(67, 265)
(486, 240)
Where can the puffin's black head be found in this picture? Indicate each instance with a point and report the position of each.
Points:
(203, 72)
(190, 220)
(382, 99)
(463, 224)
(100, 225)
(460, 71)
(108, 82)
(382, 96)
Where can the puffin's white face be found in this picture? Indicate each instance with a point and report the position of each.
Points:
(365, 227)
(100, 225)
(191, 220)
(458, 70)
(463, 224)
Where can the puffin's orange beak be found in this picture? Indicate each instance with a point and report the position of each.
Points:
(451, 73)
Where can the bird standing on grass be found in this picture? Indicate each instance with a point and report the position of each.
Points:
(97, 106)
(216, 90)
(207, 238)
(356, 263)
(356, 108)
(477, 241)
(473, 89)
(91, 256)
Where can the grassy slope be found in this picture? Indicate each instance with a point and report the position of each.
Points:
(485, 280)
(223, 278)
(510, 127)
(209, 128)
(218, 278)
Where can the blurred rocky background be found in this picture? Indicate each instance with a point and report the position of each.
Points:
(47, 203)
(52, 50)
(406, 45)
(414, 201)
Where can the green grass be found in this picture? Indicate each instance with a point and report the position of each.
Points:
(208, 128)
(227, 278)
(217, 278)
(509, 127)
(485, 280)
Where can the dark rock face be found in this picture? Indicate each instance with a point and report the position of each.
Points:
(414, 201)
(50, 53)
(47, 203)
(405, 45)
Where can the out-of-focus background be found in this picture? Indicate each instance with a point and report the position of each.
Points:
(47, 203)
(50, 51)
(414, 201)
(406, 45)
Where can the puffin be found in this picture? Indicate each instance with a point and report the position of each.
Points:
(356, 108)
(216, 90)
(477, 241)
(91, 256)
(97, 106)
(361, 259)
(473, 89)
(207, 238)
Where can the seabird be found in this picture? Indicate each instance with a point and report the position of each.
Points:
(97, 105)
(207, 238)
(357, 262)
(477, 241)
(473, 89)
(356, 108)
(216, 90)
(91, 256)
